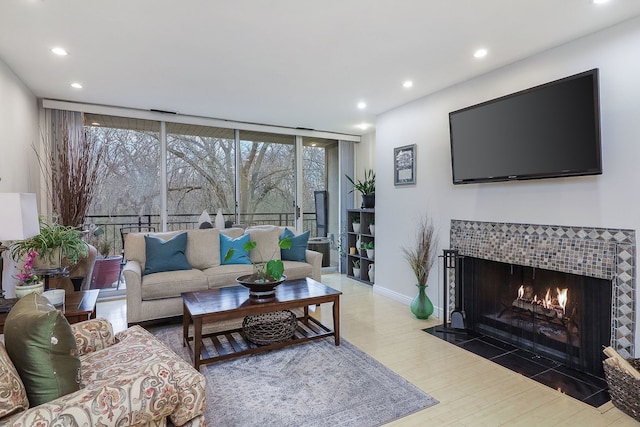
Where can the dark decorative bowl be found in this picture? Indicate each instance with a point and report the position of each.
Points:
(260, 290)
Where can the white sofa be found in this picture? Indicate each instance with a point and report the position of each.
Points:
(158, 295)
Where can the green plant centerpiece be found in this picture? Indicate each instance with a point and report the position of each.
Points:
(366, 187)
(266, 275)
(421, 258)
(54, 244)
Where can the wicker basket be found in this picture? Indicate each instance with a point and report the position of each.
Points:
(624, 389)
(270, 328)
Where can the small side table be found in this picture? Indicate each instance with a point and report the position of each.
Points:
(77, 307)
(48, 273)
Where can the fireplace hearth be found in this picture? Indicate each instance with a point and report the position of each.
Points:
(564, 317)
(595, 260)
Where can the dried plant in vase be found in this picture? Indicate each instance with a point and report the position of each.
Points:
(73, 163)
(421, 258)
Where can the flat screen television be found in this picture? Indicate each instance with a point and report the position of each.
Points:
(551, 130)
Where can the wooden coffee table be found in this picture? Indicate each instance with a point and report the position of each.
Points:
(233, 302)
(77, 307)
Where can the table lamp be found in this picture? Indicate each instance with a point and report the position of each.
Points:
(18, 219)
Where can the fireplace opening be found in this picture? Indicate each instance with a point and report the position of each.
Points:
(561, 316)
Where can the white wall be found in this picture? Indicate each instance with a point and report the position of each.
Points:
(18, 131)
(609, 200)
(19, 171)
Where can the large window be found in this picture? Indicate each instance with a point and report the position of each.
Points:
(200, 173)
(129, 189)
(266, 178)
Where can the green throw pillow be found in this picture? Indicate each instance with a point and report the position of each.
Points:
(42, 347)
(298, 246)
(165, 255)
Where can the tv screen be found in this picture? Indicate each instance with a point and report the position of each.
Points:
(552, 130)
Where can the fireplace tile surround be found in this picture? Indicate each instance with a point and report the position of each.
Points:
(589, 251)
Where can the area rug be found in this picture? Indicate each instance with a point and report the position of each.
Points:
(310, 384)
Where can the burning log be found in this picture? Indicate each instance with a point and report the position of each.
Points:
(534, 307)
(547, 307)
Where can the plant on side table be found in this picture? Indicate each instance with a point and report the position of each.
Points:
(54, 243)
(28, 281)
(421, 258)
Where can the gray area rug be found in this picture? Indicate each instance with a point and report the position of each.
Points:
(310, 384)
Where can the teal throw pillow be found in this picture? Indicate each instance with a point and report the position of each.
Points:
(165, 255)
(240, 256)
(298, 246)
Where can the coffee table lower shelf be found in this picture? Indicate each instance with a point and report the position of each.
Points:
(232, 343)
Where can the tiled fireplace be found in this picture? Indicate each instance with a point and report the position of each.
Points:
(600, 253)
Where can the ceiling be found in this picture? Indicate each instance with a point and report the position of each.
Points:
(293, 63)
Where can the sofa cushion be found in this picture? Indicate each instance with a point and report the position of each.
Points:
(298, 246)
(203, 248)
(165, 255)
(13, 396)
(239, 255)
(297, 270)
(169, 284)
(42, 347)
(266, 239)
(225, 275)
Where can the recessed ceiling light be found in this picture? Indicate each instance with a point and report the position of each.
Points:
(59, 51)
(599, 1)
(362, 105)
(76, 85)
(363, 126)
(480, 53)
(95, 124)
(407, 84)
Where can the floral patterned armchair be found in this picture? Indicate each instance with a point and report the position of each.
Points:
(128, 379)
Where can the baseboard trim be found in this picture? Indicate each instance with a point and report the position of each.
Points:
(401, 298)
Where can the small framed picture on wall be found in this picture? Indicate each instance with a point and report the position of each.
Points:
(404, 165)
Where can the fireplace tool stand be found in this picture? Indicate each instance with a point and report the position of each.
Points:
(451, 260)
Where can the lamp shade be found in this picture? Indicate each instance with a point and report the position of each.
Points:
(18, 216)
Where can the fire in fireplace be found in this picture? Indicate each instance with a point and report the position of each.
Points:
(562, 316)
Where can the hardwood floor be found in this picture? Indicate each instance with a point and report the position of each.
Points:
(472, 391)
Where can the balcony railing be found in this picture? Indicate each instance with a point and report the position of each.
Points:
(112, 224)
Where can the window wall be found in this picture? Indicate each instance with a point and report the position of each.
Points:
(250, 175)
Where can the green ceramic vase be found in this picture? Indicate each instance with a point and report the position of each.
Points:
(421, 306)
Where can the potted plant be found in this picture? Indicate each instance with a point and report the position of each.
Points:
(421, 258)
(372, 227)
(366, 187)
(106, 270)
(356, 268)
(54, 243)
(370, 248)
(267, 275)
(355, 223)
(28, 281)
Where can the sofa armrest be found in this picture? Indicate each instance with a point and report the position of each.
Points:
(93, 335)
(132, 272)
(135, 398)
(315, 259)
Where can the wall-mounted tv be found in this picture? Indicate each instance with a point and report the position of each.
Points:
(551, 130)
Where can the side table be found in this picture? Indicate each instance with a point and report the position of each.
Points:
(77, 307)
(48, 273)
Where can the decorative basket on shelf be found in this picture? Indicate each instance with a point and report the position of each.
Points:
(270, 328)
(624, 389)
